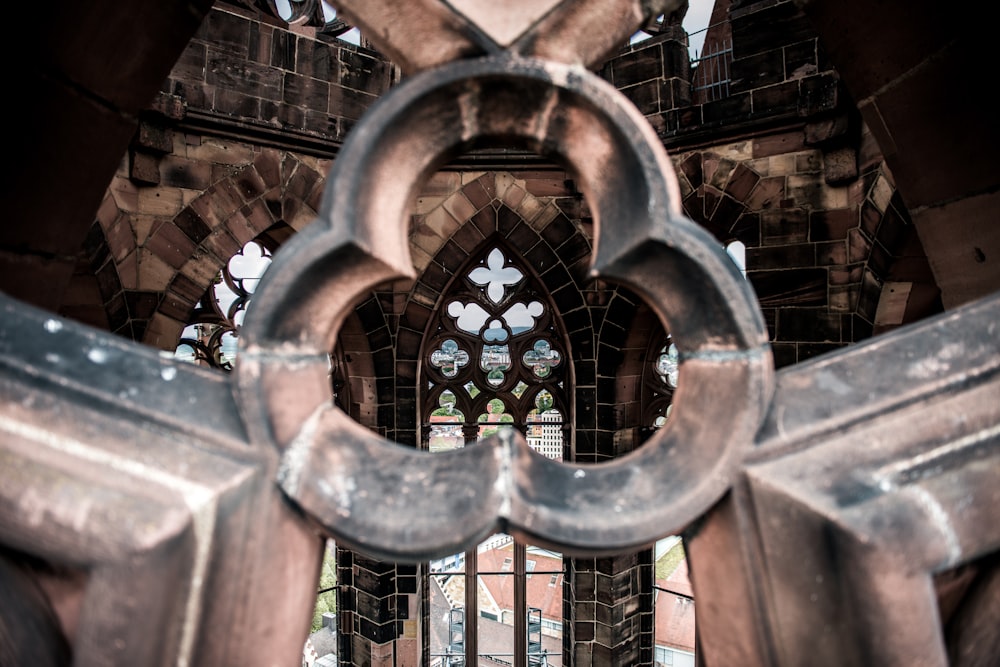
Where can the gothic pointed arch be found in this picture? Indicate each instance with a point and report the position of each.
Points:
(495, 340)
(271, 190)
(210, 336)
(450, 226)
(834, 261)
(153, 250)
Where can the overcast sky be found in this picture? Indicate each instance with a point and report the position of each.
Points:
(695, 22)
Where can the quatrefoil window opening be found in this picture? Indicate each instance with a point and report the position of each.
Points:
(495, 361)
(240, 277)
(541, 358)
(496, 276)
(449, 358)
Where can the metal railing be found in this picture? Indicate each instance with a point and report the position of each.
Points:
(711, 72)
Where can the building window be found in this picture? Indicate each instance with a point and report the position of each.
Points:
(661, 377)
(660, 380)
(494, 358)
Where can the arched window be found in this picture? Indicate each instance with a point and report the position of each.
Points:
(494, 357)
(673, 632)
(661, 377)
(673, 600)
(210, 339)
(661, 382)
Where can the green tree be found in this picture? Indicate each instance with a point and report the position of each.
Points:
(326, 601)
(669, 561)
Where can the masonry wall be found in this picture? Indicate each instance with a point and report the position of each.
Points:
(239, 139)
(286, 83)
(784, 165)
(239, 144)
